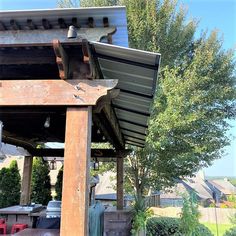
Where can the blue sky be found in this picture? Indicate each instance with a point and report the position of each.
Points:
(212, 14)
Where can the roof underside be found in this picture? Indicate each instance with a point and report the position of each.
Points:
(137, 74)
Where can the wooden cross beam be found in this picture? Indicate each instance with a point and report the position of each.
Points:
(53, 92)
(95, 152)
(37, 37)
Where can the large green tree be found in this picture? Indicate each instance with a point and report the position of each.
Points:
(195, 97)
(58, 185)
(10, 181)
(40, 184)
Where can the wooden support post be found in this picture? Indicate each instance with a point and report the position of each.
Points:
(26, 181)
(75, 194)
(120, 187)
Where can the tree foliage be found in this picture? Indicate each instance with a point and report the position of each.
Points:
(40, 184)
(194, 100)
(58, 185)
(189, 122)
(10, 181)
(67, 3)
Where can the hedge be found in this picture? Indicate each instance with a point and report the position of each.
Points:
(167, 226)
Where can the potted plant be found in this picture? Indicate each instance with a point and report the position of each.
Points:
(141, 212)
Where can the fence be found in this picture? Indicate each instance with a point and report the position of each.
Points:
(207, 214)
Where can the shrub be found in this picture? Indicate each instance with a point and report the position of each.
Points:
(163, 226)
(167, 226)
(141, 212)
(40, 184)
(10, 185)
(189, 218)
(202, 230)
(230, 232)
(58, 185)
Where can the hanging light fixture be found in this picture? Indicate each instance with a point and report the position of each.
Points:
(96, 164)
(47, 122)
(53, 164)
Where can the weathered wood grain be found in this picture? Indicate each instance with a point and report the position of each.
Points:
(53, 92)
(61, 59)
(120, 183)
(26, 180)
(75, 194)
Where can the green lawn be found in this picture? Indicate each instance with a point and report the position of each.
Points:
(221, 228)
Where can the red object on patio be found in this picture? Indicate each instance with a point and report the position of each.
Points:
(18, 227)
(3, 228)
(2, 221)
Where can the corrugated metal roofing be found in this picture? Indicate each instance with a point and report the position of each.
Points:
(116, 17)
(137, 73)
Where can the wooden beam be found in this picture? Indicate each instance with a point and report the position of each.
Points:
(14, 139)
(106, 121)
(75, 192)
(53, 92)
(105, 22)
(14, 25)
(90, 22)
(105, 118)
(23, 38)
(61, 59)
(111, 116)
(95, 152)
(75, 23)
(2, 26)
(62, 23)
(120, 183)
(26, 181)
(32, 56)
(46, 24)
(31, 24)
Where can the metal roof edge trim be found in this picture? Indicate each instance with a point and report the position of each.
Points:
(131, 49)
(59, 10)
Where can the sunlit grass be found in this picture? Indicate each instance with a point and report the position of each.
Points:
(222, 228)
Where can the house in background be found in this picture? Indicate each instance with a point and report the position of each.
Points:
(105, 190)
(222, 187)
(197, 185)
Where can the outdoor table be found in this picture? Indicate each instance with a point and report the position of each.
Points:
(20, 214)
(38, 232)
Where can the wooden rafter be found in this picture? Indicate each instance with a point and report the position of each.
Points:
(53, 92)
(105, 118)
(88, 58)
(61, 59)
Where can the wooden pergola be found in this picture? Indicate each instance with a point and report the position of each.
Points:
(76, 91)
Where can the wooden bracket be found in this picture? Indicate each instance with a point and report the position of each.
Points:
(88, 58)
(105, 118)
(14, 139)
(106, 100)
(61, 59)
